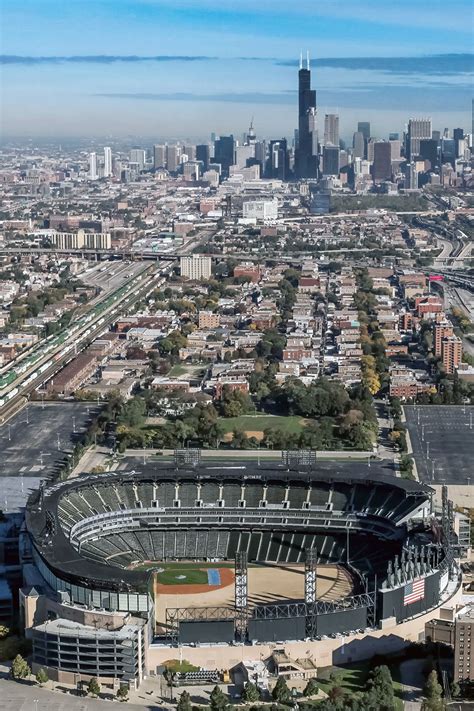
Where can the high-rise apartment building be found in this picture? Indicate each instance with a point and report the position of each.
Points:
(107, 162)
(138, 156)
(382, 167)
(417, 129)
(441, 329)
(306, 149)
(159, 156)
(93, 166)
(464, 646)
(451, 353)
(196, 267)
(331, 130)
(173, 154)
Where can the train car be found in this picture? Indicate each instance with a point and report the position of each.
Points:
(8, 379)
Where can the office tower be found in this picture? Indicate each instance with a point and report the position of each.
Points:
(358, 144)
(458, 134)
(451, 353)
(436, 135)
(393, 136)
(448, 150)
(382, 167)
(331, 130)
(251, 138)
(107, 162)
(243, 154)
(173, 154)
(364, 128)
(277, 165)
(196, 267)
(224, 148)
(306, 160)
(203, 153)
(395, 146)
(417, 129)
(159, 156)
(92, 166)
(330, 160)
(429, 151)
(370, 149)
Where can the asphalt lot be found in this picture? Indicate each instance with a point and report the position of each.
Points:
(33, 442)
(442, 438)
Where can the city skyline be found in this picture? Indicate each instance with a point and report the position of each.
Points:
(158, 70)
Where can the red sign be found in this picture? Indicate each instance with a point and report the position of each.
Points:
(436, 277)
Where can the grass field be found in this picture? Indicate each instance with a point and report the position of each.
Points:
(352, 678)
(193, 576)
(259, 423)
(180, 568)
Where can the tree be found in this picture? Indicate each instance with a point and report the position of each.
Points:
(311, 688)
(93, 687)
(122, 693)
(4, 631)
(184, 703)
(281, 692)
(433, 693)
(20, 668)
(218, 699)
(251, 692)
(41, 677)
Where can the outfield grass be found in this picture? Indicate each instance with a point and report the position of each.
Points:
(259, 423)
(173, 577)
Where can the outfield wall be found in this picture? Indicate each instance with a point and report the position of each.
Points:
(327, 652)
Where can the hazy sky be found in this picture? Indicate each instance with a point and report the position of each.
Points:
(77, 67)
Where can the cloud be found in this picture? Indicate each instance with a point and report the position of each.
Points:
(284, 97)
(436, 64)
(100, 59)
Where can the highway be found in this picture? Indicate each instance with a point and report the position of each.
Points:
(48, 359)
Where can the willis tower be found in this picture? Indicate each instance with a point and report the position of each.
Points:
(306, 158)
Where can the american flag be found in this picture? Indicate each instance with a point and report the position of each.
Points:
(414, 591)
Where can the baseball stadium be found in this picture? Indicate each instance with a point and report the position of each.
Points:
(222, 561)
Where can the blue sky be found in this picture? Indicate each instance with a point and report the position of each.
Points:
(76, 67)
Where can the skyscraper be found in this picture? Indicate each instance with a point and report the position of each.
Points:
(172, 158)
(306, 160)
(331, 130)
(417, 129)
(382, 168)
(224, 148)
(330, 160)
(107, 162)
(203, 154)
(159, 156)
(138, 155)
(277, 163)
(92, 166)
(358, 144)
(429, 151)
(364, 128)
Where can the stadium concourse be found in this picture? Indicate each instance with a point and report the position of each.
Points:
(226, 561)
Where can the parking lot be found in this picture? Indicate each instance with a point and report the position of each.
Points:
(442, 438)
(33, 442)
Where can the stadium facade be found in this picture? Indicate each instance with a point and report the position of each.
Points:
(88, 603)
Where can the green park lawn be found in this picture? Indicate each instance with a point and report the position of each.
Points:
(260, 423)
(352, 678)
